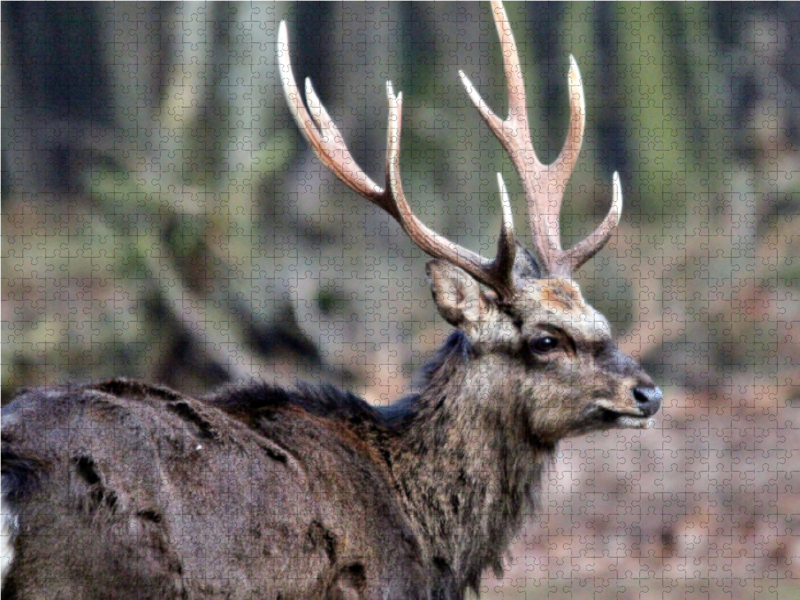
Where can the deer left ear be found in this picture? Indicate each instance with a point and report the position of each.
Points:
(457, 295)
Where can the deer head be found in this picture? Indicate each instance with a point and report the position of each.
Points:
(519, 304)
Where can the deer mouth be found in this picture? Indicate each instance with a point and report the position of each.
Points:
(628, 422)
(620, 417)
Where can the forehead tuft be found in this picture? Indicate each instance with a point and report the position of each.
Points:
(559, 302)
(560, 294)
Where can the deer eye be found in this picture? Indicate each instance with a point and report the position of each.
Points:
(544, 344)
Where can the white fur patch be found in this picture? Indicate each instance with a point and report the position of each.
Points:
(8, 531)
(634, 423)
(9, 522)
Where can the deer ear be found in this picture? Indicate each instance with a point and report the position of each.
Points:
(457, 295)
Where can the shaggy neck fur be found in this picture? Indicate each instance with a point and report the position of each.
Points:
(467, 469)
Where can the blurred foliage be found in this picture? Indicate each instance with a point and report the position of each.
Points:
(192, 192)
(164, 219)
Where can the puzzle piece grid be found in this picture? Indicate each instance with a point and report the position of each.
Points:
(163, 219)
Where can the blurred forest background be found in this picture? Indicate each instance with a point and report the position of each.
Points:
(163, 219)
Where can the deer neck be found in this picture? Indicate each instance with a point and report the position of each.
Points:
(466, 467)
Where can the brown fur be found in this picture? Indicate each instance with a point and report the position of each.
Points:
(126, 490)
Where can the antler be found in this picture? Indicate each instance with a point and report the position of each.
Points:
(323, 135)
(544, 184)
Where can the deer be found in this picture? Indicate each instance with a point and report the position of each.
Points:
(123, 489)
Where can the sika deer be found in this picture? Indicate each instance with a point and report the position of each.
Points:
(127, 490)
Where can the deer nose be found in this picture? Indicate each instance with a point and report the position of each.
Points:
(648, 398)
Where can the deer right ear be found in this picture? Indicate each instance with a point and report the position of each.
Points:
(457, 295)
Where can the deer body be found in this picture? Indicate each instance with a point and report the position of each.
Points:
(126, 490)
(255, 493)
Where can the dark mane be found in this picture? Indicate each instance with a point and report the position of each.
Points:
(457, 350)
(262, 400)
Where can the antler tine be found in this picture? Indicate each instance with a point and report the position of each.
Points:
(496, 273)
(322, 134)
(544, 185)
(329, 146)
(588, 247)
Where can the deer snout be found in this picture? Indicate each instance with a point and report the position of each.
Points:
(648, 399)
